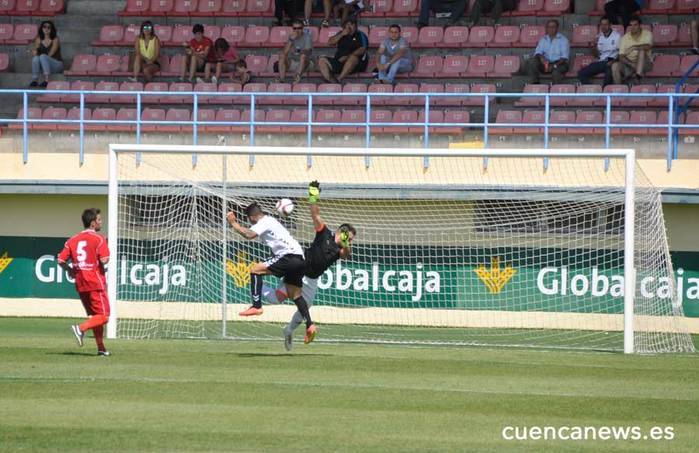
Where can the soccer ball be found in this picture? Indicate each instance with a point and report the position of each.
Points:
(285, 207)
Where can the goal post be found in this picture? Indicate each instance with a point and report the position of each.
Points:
(571, 256)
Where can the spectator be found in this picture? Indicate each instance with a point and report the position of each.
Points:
(291, 8)
(146, 53)
(624, 8)
(494, 7)
(550, 56)
(46, 54)
(226, 59)
(694, 31)
(348, 9)
(196, 53)
(296, 55)
(635, 58)
(351, 54)
(606, 52)
(458, 8)
(394, 56)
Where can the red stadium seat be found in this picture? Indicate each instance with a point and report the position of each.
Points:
(6, 32)
(685, 64)
(664, 66)
(152, 114)
(555, 7)
(693, 119)
(102, 98)
(161, 7)
(233, 7)
(124, 114)
(584, 35)
(430, 88)
(377, 34)
(480, 65)
(213, 32)
(380, 116)
(530, 35)
(506, 117)
(616, 89)
(664, 34)
(528, 7)
(456, 36)
(54, 85)
(74, 114)
(327, 88)
(400, 118)
(274, 116)
(136, 8)
(78, 85)
(561, 117)
(381, 8)
(456, 117)
(658, 7)
(580, 62)
(618, 117)
(404, 8)
(411, 34)
(639, 101)
(204, 115)
(454, 88)
(327, 33)
(256, 63)
(131, 33)
(127, 87)
(107, 64)
(7, 6)
(454, 65)
(184, 8)
(327, 116)
(32, 113)
(529, 101)
(234, 34)
(505, 66)
(176, 114)
(587, 117)
(303, 87)
(429, 65)
(26, 7)
(255, 7)
(297, 116)
(205, 87)
(178, 87)
(279, 36)
(380, 88)
(403, 88)
(684, 35)
(228, 116)
(51, 7)
(228, 87)
(480, 36)
(23, 34)
(110, 35)
(352, 100)
(480, 88)
(351, 116)
(642, 117)
(687, 5)
(207, 8)
(563, 88)
(505, 36)
(83, 64)
(4, 61)
(436, 117)
(256, 36)
(430, 37)
(276, 88)
(587, 101)
(181, 34)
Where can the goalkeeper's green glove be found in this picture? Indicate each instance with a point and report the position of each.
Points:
(344, 239)
(314, 192)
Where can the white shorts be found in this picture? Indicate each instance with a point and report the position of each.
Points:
(309, 290)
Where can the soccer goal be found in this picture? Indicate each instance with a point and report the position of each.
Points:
(571, 256)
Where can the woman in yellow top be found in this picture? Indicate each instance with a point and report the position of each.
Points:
(147, 50)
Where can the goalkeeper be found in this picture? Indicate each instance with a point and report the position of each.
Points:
(327, 247)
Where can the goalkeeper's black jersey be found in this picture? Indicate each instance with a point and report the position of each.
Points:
(322, 253)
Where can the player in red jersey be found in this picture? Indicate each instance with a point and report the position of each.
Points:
(88, 254)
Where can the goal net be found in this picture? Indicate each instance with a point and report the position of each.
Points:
(447, 252)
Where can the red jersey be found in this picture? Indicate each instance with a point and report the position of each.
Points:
(199, 46)
(85, 250)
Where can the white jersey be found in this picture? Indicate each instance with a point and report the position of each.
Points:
(276, 237)
(608, 46)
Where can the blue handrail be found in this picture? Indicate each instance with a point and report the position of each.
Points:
(673, 127)
(679, 110)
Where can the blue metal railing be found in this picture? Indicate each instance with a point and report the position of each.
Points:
(673, 127)
(681, 109)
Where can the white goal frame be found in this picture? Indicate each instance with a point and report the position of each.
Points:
(629, 156)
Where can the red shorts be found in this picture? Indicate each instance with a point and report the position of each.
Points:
(95, 302)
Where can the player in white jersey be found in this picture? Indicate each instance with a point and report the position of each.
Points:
(287, 262)
(327, 247)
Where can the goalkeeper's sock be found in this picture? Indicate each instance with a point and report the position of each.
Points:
(256, 282)
(303, 310)
(296, 321)
(94, 321)
(99, 337)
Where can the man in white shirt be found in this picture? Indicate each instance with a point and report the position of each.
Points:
(287, 262)
(606, 51)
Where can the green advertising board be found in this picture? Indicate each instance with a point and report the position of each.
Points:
(433, 278)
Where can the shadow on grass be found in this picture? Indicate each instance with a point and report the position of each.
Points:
(248, 355)
(73, 353)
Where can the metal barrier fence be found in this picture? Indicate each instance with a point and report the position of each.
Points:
(673, 101)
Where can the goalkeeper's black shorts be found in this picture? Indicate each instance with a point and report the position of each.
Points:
(290, 267)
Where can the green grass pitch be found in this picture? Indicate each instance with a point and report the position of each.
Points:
(182, 395)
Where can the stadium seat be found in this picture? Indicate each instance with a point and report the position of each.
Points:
(616, 89)
(123, 114)
(506, 117)
(480, 65)
(479, 88)
(685, 65)
(127, 87)
(110, 35)
(303, 87)
(587, 117)
(456, 117)
(297, 116)
(454, 66)
(178, 87)
(429, 65)
(326, 88)
(78, 85)
(227, 116)
(555, 7)
(561, 117)
(213, 32)
(234, 34)
(131, 33)
(107, 64)
(184, 8)
(256, 36)
(436, 117)
(276, 88)
(207, 8)
(351, 116)
(640, 117)
(176, 114)
(664, 66)
(456, 36)
(327, 33)
(253, 87)
(380, 116)
(4, 61)
(205, 87)
(82, 65)
(161, 7)
(404, 8)
(26, 8)
(430, 88)
(376, 35)
(430, 37)
(380, 88)
(255, 7)
(480, 36)
(584, 35)
(274, 116)
(411, 34)
(529, 101)
(618, 117)
(563, 88)
(528, 7)
(326, 116)
(352, 100)
(6, 32)
(639, 101)
(454, 88)
(205, 115)
(685, 6)
(102, 98)
(256, 63)
(51, 114)
(32, 113)
(505, 36)
(23, 34)
(54, 97)
(105, 115)
(587, 101)
(400, 118)
(692, 118)
(658, 7)
(51, 7)
(278, 36)
(6, 7)
(579, 62)
(136, 8)
(406, 88)
(74, 114)
(381, 8)
(228, 87)
(530, 35)
(664, 34)
(661, 101)
(180, 34)
(233, 7)
(505, 66)
(531, 117)
(152, 114)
